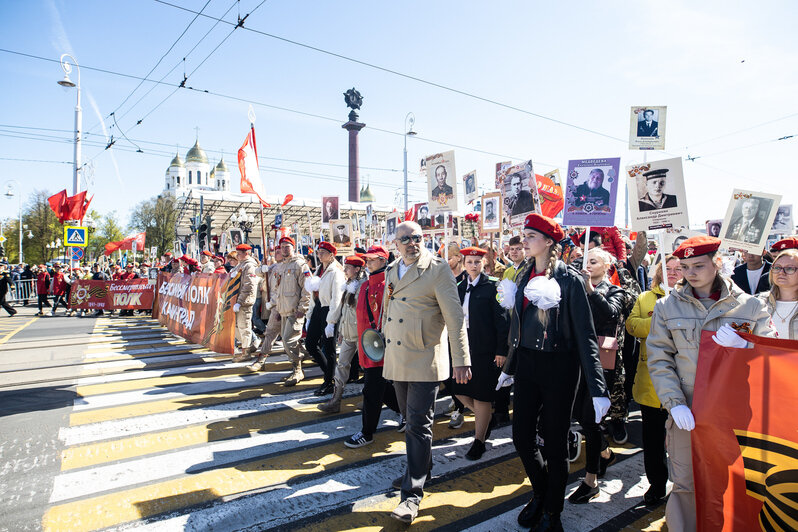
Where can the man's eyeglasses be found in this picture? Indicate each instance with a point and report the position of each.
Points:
(407, 238)
(789, 270)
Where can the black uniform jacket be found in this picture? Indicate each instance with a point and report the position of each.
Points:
(740, 278)
(569, 331)
(488, 322)
(606, 305)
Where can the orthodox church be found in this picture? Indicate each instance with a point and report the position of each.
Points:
(195, 173)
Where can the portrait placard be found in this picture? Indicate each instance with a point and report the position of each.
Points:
(391, 221)
(748, 219)
(500, 169)
(491, 216)
(470, 186)
(442, 182)
(673, 237)
(783, 223)
(422, 216)
(647, 128)
(590, 192)
(236, 238)
(369, 213)
(714, 227)
(329, 210)
(341, 236)
(519, 191)
(657, 198)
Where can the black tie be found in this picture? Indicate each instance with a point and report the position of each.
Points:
(469, 287)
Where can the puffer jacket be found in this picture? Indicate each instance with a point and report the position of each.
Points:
(249, 281)
(291, 297)
(345, 314)
(606, 306)
(569, 330)
(330, 289)
(770, 303)
(638, 325)
(675, 335)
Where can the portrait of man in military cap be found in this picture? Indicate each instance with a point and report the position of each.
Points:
(656, 181)
(341, 232)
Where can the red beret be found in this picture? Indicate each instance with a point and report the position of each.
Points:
(473, 252)
(376, 251)
(545, 225)
(129, 265)
(189, 261)
(329, 247)
(287, 239)
(787, 243)
(697, 246)
(167, 254)
(354, 260)
(243, 247)
(207, 253)
(218, 257)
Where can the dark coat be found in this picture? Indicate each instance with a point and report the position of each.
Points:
(524, 203)
(600, 197)
(606, 307)
(740, 278)
(488, 322)
(569, 330)
(648, 131)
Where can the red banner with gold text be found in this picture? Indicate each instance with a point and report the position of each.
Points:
(745, 443)
(198, 307)
(112, 295)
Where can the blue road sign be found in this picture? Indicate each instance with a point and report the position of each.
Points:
(77, 253)
(75, 236)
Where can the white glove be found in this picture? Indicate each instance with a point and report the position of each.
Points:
(269, 305)
(305, 325)
(329, 330)
(506, 291)
(236, 307)
(504, 380)
(601, 405)
(683, 417)
(728, 337)
(264, 268)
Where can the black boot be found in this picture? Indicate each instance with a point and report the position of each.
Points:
(325, 389)
(532, 513)
(549, 523)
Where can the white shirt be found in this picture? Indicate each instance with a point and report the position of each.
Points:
(753, 278)
(467, 298)
(785, 309)
(401, 268)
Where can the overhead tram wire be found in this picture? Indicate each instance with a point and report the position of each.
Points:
(749, 128)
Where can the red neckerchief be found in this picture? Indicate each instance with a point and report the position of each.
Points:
(715, 296)
(531, 275)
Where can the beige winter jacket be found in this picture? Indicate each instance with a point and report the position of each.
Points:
(344, 315)
(291, 296)
(248, 293)
(675, 335)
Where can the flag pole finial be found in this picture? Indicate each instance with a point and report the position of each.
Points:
(251, 115)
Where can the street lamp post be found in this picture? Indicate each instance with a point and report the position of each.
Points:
(66, 82)
(9, 195)
(410, 119)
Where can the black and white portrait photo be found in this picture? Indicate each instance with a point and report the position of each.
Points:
(713, 227)
(782, 223)
(748, 220)
(329, 209)
(422, 216)
(648, 123)
(655, 183)
(390, 227)
(656, 195)
(235, 237)
(647, 128)
(441, 182)
(341, 232)
(369, 212)
(491, 215)
(470, 184)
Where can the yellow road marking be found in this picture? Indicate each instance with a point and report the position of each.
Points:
(189, 401)
(15, 331)
(176, 351)
(128, 505)
(443, 503)
(159, 382)
(652, 522)
(91, 371)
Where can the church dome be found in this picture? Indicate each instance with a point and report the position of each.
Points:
(176, 162)
(366, 196)
(196, 154)
(221, 167)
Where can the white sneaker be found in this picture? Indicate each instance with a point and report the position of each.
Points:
(456, 420)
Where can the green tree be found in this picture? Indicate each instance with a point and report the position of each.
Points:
(108, 230)
(158, 217)
(42, 224)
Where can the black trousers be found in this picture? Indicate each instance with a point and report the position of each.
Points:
(631, 354)
(43, 301)
(321, 348)
(654, 458)
(61, 300)
(11, 310)
(501, 402)
(585, 414)
(376, 391)
(545, 386)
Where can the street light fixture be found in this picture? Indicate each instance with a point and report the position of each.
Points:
(410, 120)
(10, 186)
(244, 222)
(68, 83)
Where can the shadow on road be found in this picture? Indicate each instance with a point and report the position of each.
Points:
(36, 399)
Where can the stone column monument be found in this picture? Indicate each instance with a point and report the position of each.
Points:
(353, 100)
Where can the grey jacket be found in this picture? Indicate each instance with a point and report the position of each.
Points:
(344, 314)
(675, 336)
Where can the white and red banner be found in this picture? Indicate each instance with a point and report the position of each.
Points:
(248, 166)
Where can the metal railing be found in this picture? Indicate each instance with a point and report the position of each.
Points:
(23, 290)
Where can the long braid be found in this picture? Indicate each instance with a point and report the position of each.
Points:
(554, 252)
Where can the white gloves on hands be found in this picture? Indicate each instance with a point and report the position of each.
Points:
(601, 405)
(329, 330)
(269, 305)
(504, 380)
(236, 307)
(506, 291)
(683, 417)
(728, 337)
(264, 268)
(542, 292)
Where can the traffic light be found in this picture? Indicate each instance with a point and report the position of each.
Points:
(202, 237)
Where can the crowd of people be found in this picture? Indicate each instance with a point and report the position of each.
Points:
(576, 336)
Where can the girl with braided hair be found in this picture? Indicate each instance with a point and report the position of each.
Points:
(552, 345)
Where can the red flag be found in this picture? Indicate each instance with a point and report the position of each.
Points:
(248, 166)
(551, 199)
(127, 243)
(58, 203)
(745, 445)
(74, 209)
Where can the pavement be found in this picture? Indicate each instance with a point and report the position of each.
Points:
(113, 423)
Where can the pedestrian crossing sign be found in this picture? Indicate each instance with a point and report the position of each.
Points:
(75, 236)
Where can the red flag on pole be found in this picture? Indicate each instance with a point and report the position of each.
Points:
(127, 243)
(745, 442)
(57, 204)
(248, 166)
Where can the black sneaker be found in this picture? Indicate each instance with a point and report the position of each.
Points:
(532, 513)
(618, 431)
(653, 496)
(476, 451)
(574, 445)
(604, 463)
(358, 440)
(584, 494)
(325, 389)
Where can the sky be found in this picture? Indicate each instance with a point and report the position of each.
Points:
(546, 81)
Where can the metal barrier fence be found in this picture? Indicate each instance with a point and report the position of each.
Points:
(24, 290)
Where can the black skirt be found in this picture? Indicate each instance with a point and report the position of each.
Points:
(484, 377)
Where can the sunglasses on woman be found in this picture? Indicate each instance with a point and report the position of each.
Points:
(407, 238)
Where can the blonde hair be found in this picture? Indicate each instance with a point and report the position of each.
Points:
(554, 252)
(774, 290)
(656, 279)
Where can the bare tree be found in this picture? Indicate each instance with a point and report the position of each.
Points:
(158, 217)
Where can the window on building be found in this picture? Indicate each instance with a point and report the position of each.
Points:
(223, 184)
(178, 180)
(189, 177)
(167, 186)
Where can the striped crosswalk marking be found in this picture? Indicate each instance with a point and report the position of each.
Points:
(166, 435)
